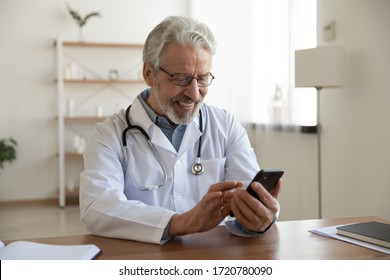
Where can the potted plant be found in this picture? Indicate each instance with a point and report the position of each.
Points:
(81, 21)
(7, 151)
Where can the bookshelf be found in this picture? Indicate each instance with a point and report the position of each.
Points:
(93, 80)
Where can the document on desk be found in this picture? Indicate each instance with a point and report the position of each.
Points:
(24, 250)
(332, 233)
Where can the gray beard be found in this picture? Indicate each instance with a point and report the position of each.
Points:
(184, 118)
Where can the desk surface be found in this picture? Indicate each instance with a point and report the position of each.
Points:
(286, 240)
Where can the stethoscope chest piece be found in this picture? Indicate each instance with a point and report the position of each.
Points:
(197, 167)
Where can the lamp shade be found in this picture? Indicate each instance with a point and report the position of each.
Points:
(319, 67)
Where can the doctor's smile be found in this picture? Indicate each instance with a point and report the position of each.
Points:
(184, 103)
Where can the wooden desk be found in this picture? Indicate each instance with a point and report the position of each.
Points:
(286, 240)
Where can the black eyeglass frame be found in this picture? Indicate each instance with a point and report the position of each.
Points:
(187, 78)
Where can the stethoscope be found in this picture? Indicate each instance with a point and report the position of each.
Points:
(196, 168)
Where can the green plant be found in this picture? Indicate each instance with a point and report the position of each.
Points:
(81, 21)
(7, 151)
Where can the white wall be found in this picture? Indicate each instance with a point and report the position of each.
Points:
(295, 153)
(27, 71)
(355, 119)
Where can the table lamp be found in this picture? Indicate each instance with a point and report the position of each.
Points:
(321, 67)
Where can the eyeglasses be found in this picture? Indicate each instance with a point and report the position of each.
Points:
(183, 79)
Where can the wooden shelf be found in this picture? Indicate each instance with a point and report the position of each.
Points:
(73, 154)
(103, 81)
(72, 196)
(99, 44)
(84, 118)
(72, 193)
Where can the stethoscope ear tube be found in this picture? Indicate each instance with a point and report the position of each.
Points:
(130, 126)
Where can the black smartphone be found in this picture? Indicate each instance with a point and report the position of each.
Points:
(268, 178)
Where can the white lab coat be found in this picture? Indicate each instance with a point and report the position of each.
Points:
(110, 203)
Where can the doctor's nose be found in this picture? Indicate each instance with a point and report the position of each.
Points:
(194, 91)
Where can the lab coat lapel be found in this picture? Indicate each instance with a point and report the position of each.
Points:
(140, 117)
(158, 138)
(191, 135)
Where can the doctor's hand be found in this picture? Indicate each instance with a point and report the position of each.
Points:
(208, 213)
(252, 214)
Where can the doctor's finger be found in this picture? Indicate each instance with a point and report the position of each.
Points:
(249, 218)
(226, 209)
(265, 197)
(227, 196)
(247, 205)
(225, 186)
(212, 198)
(275, 191)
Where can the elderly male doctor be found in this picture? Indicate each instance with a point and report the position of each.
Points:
(190, 174)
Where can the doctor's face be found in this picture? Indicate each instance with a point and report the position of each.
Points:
(180, 104)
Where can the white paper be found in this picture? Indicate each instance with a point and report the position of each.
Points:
(332, 233)
(24, 250)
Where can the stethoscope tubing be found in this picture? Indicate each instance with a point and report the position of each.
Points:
(196, 168)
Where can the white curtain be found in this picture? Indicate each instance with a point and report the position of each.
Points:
(254, 61)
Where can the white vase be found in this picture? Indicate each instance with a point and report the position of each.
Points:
(81, 35)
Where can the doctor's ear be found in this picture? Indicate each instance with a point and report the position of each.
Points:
(148, 73)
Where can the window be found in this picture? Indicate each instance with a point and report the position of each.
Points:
(254, 64)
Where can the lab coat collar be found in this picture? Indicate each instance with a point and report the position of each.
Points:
(140, 117)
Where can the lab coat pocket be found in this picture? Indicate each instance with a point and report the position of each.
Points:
(214, 172)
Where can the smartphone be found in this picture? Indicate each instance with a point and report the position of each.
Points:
(268, 178)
